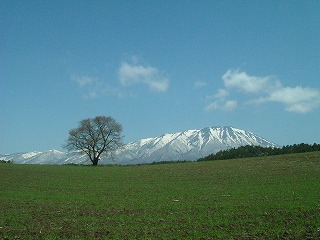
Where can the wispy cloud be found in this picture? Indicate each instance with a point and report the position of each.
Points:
(219, 101)
(131, 74)
(297, 99)
(222, 93)
(94, 88)
(228, 105)
(200, 84)
(264, 89)
(82, 81)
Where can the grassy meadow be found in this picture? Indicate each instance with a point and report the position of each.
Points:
(276, 197)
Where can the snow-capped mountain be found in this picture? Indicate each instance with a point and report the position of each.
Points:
(188, 145)
(48, 157)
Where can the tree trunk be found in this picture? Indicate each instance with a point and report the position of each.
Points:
(95, 161)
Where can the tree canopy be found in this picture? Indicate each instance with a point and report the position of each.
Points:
(95, 137)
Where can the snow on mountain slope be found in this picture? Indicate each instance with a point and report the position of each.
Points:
(188, 145)
(48, 157)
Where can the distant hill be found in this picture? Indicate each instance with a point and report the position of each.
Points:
(188, 145)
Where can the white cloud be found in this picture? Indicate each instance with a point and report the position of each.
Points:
(268, 89)
(130, 74)
(250, 84)
(297, 99)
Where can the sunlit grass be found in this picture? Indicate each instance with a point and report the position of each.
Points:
(262, 198)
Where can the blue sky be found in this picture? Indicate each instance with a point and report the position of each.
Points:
(158, 67)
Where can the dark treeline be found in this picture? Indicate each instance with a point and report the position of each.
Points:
(256, 151)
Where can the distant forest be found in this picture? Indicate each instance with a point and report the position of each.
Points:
(257, 151)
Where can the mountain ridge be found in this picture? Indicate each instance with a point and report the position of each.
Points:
(187, 145)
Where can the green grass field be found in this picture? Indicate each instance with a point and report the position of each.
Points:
(275, 197)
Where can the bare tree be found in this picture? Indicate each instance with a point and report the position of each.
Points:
(95, 137)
